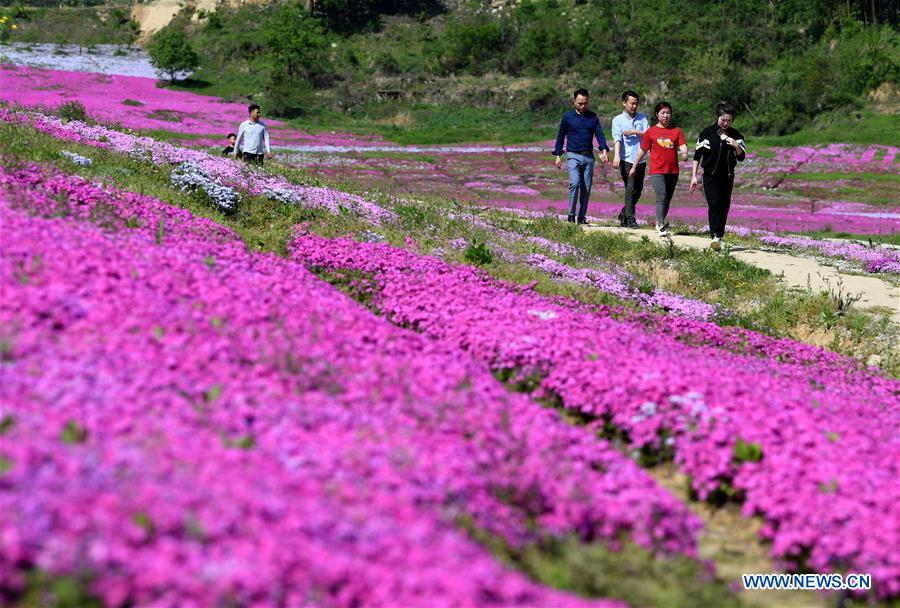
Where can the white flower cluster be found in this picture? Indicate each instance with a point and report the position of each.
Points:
(370, 236)
(189, 177)
(138, 152)
(78, 159)
(284, 195)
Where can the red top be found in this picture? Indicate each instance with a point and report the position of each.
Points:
(663, 146)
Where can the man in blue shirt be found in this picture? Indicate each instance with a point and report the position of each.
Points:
(627, 130)
(578, 128)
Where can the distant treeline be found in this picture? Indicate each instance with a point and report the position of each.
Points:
(781, 62)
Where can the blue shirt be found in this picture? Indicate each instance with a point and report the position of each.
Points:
(631, 144)
(578, 131)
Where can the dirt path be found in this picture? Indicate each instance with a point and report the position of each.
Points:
(797, 272)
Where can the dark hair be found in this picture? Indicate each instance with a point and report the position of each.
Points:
(583, 92)
(630, 93)
(661, 105)
(230, 135)
(252, 107)
(723, 107)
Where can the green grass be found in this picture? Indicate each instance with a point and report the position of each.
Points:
(841, 127)
(85, 26)
(630, 573)
(864, 176)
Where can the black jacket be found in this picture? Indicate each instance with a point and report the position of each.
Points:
(710, 146)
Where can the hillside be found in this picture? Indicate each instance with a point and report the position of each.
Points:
(462, 71)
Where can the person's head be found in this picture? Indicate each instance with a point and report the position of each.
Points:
(724, 114)
(630, 101)
(580, 99)
(232, 137)
(254, 111)
(663, 111)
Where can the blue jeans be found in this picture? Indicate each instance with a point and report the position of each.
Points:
(581, 175)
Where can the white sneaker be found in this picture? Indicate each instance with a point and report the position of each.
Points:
(716, 244)
(662, 230)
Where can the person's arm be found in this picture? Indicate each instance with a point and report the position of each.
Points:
(237, 141)
(740, 149)
(638, 159)
(682, 145)
(694, 181)
(560, 137)
(266, 140)
(645, 147)
(640, 133)
(617, 139)
(601, 140)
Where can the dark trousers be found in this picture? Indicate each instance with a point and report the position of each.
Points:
(633, 188)
(254, 159)
(718, 198)
(664, 187)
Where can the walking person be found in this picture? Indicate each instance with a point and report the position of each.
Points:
(627, 130)
(719, 148)
(663, 141)
(252, 143)
(578, 128)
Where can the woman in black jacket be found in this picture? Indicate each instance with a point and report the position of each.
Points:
(719, 148)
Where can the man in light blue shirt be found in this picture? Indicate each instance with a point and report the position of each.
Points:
(252, 143)
(627, 130)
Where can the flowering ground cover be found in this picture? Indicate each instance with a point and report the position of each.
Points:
(775, 190)
(138, 103)
(814, 451)
(215, 174)
(170, 398)
(526, 179)
(461, 221)
(874, 259)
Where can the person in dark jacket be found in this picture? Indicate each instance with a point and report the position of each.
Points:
(578, 128)
(229, 149)
(719, 148)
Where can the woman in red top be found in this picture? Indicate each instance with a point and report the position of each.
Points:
(661, 140)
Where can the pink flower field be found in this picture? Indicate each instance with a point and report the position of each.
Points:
(301, 436)
(768, 195)
(190, 417)
(138, 103)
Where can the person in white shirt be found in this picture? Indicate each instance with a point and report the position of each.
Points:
(252, 143)
(627, 130)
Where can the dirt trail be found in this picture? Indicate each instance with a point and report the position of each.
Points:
(797, 272)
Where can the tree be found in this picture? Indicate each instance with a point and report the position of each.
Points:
(297, 44)
(171, 53)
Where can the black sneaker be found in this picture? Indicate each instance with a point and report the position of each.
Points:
(571, 219)
(631, 224)
(583, 222)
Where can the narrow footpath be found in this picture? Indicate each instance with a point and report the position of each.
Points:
(796, 272)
